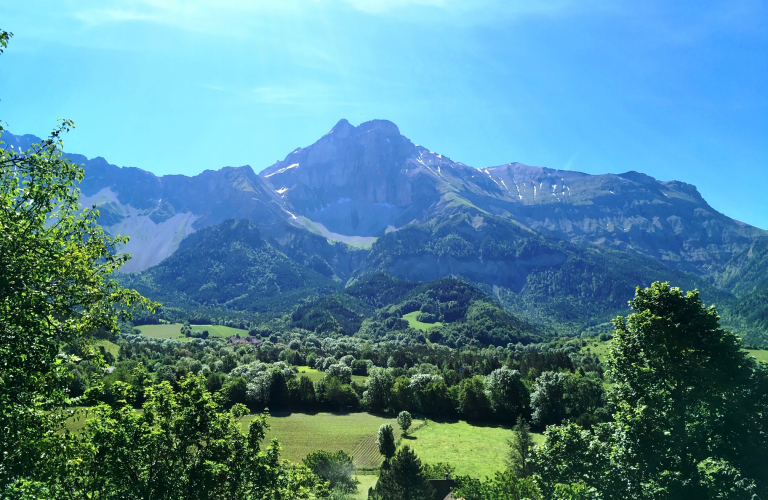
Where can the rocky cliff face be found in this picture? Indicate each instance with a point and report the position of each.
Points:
(355, 184)
(157, 213)
(361, 181)
(366, 180)
(669, 221)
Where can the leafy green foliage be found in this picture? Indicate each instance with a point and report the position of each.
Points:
(504, 486)
(688, 403)
(385, 440)
(4, 37)
(474, 404)
(438, 470)
(336, 468)
(181, 446)
(507, 394)
(520, 449)
(404, 421)
(55, 288)
(402, 479)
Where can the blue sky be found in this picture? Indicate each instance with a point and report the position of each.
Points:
(678, 90)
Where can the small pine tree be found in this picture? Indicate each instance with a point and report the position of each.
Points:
(402, 478)
(404, 420)
(520, 449)
(386, 441)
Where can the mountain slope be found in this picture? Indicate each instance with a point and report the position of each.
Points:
(747, 276)
(455, 312)
(356, 183)
(157, 213)
(564, 249)
(748, 271)
(548, 281)
(230, 266)
(363, 181)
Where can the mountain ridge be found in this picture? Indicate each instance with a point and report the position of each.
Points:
(356, 184)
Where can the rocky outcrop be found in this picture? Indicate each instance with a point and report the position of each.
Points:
(366, 180)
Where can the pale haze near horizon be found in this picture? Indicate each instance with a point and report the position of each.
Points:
(676, 90)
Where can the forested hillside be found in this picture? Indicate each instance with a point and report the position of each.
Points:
(231, 266)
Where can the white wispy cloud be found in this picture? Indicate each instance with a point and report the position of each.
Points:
(231, 15)
(221, 16)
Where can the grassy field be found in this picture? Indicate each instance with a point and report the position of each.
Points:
(760, 355)
(597, 347)
(366, 481)
(473, 450)
(354, 433)
(76, 422)
(414, 323)
(110, 347)
(315, 375)
(173, 331)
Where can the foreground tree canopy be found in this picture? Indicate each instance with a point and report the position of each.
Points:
(56, 289)
(690, 410)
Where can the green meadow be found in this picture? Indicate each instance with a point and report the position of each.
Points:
(366, 481)
(595, 346)
(316, 375)
(477, 451)
(474, 450)
(173, 331)
(758, 354)
(354, 433)
(418, 325)
(108, 346)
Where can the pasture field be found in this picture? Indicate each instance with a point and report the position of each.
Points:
(315, 375)
(597, 347)
(418, 325)
(758, 354)
(474, 450)
(477, 451)
(76, 422)
(110, 347)
(173, 331)
(354, 433)
(366, 481)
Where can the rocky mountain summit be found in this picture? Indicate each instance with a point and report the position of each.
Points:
(367, 180)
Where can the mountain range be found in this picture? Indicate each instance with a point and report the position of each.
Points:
(560, 248)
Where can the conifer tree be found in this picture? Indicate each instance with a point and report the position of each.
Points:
(402, 478)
